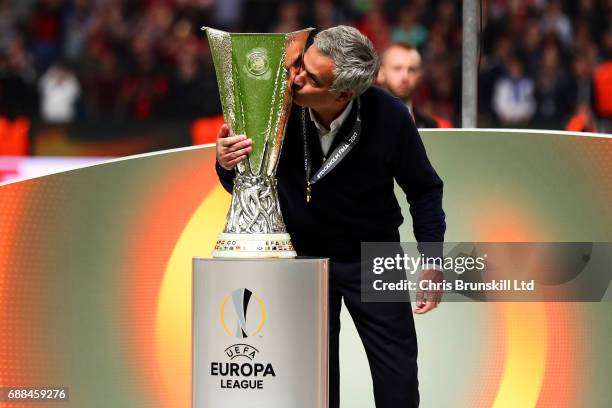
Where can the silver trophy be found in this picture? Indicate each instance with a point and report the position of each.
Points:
(254, 75)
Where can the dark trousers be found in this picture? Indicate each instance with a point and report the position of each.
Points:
(387, 333)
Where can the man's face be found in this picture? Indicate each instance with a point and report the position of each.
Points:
(315, 77)
(400, 72)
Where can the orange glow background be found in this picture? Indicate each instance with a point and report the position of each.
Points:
(172, 208)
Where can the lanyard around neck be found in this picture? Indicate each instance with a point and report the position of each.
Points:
(337, 155)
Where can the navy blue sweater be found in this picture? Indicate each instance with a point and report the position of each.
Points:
(356, 202)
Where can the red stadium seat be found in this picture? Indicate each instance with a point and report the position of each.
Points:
(204, 130)
(442, 122)
(602, 81)
(14, 136)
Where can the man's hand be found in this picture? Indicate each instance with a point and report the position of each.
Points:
(427, 300)
(231, 150)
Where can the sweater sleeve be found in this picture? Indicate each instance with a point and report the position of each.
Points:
(421, 184)
(226, 177)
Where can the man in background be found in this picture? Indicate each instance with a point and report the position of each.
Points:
(401, 73)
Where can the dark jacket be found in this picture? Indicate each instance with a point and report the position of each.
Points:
(356, 202)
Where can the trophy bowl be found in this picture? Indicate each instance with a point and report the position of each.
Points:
(254, 75)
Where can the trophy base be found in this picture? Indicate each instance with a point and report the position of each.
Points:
(254, 246)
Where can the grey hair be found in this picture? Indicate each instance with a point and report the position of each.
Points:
(356, 61)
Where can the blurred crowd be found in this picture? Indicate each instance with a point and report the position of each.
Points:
(65, 60)
(545, 63)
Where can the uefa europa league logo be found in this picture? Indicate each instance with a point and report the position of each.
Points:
(246, 313)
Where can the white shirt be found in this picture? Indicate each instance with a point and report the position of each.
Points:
(514, 100)
(58, 95)
(327, 136)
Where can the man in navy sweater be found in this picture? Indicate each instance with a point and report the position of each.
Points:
(346, 142)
